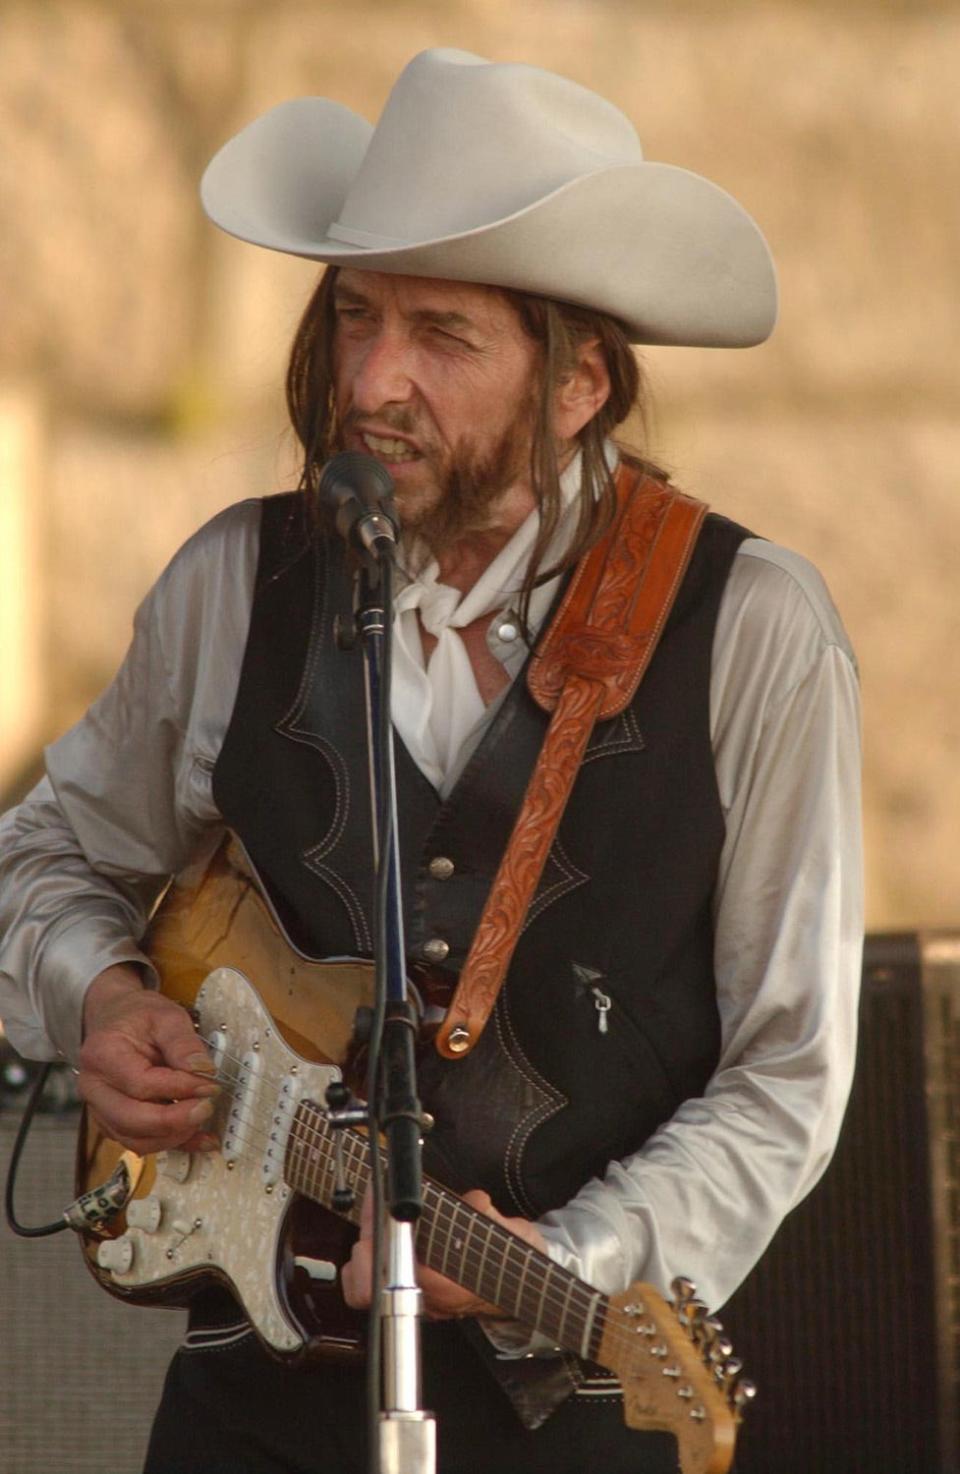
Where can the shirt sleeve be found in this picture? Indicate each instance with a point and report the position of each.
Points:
(704, 1196)
(126, 802)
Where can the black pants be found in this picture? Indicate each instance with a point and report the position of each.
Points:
(232, 1409)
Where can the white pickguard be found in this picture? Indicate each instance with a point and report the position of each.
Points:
(224, 1209)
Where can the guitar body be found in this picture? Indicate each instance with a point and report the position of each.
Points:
(256, 1214)
(223, 919)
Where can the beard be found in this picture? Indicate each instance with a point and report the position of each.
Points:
(462, 486)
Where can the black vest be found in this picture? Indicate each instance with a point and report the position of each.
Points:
(608, 1018)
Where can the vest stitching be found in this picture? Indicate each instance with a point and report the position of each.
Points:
(290, 725)
(358, 921)
(570, 878)
(632, 742)
(521, 1133)
(313, 856)
(314, 649)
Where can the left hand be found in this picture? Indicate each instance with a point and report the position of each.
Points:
(443, 1298)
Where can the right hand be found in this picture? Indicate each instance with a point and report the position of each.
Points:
(144, 1073)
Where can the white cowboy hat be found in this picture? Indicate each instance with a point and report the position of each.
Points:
(507, 175)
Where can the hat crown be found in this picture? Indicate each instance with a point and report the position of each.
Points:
(470, 140)
(504, 174)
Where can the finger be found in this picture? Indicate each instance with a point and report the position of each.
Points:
(131, 1066)
(366, 1215)
(522, 1227)
(145, 1126)
(356, 1276)
(181, 1047)
(143, 1033)
(201, 1141)
(482, 1201)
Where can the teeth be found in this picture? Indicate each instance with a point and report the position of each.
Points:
(397, 450)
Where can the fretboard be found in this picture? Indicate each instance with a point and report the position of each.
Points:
(456, 1240)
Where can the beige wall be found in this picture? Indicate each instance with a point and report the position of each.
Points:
(151, 348)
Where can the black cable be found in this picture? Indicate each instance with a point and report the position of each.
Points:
(29, 1111)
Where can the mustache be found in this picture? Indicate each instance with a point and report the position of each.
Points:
(393, 417)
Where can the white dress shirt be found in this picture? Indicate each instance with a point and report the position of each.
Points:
(128, 802)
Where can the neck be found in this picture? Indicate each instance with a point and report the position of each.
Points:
(463, 559)
(466, 558)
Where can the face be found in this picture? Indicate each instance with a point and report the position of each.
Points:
(437, 380)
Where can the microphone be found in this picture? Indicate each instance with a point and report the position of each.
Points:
(358, 491)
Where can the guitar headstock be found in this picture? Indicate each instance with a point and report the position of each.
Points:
(678, 1373)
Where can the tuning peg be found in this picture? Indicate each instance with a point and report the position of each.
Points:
(743, 1394)
(692, 1314)
(727, 1372)
(720, 1348)
(709, 1328)
(683, 1290)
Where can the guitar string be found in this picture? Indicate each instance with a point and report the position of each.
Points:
(621, 1331)
(448, 1208)
(357, 1150)
(560, 1299)
(309, 1135)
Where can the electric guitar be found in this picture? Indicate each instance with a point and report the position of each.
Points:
(257, 1214)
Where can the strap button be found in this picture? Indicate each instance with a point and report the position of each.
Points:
(441, 868)
(436, 950)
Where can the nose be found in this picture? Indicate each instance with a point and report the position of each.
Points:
(382, 373)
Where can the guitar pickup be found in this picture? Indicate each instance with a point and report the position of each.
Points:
(288, 1098)
(240, 1121)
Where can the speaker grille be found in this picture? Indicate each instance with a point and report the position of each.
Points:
(849, 1324)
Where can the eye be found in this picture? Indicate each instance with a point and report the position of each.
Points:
(452, 340)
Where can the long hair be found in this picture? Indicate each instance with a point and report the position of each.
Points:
(557, 328)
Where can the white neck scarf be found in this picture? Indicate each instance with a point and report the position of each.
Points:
(436, 707)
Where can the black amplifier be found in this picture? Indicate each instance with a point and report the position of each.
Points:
(850, 1325)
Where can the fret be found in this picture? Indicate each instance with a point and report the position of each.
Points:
(588, 1349)
(562, 1325)
(489, 1225)
(457, 1240)
(451, 1242)
(527, 1258)
(498, 1287)
(427, 1249)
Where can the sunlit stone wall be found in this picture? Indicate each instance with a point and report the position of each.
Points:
(150, 348)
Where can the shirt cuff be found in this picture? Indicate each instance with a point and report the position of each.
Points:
(70, 965)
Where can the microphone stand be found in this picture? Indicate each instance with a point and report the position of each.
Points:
(406, 1435)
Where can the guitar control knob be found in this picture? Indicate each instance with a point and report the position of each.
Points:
(145, 1213)
(174, 1164)
(116, 1254)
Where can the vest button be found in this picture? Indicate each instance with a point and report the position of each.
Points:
(441, 868)
(436, 950)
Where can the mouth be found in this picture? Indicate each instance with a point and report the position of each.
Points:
(389, 448)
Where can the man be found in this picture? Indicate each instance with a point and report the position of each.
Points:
(672, 1048)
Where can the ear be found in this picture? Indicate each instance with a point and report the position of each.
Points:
(578, 398)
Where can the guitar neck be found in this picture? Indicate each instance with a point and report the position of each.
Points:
(457, 1240)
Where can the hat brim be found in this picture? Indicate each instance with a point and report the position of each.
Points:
(669, 254)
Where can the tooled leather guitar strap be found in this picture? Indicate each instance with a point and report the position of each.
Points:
(588, 668)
